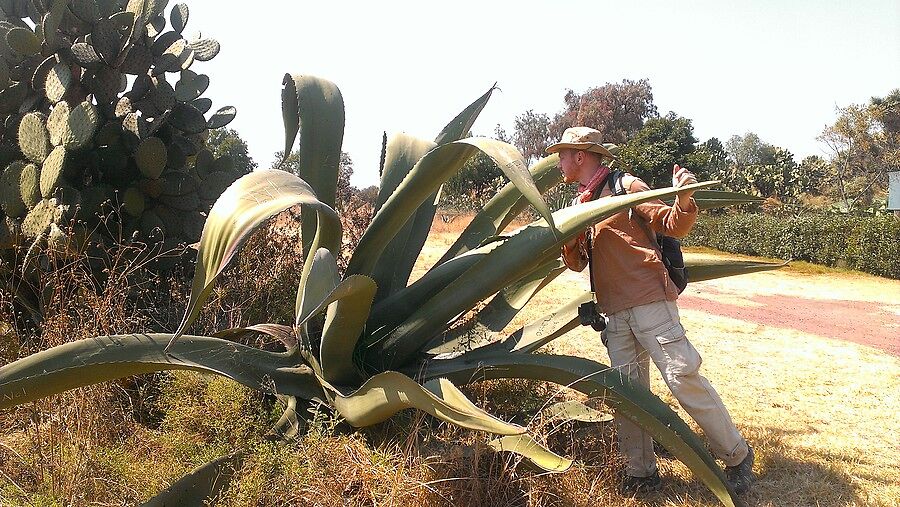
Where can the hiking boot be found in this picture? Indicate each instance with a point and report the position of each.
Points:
(741, 476)
(639, 485)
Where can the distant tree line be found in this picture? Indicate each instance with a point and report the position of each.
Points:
(863, 145)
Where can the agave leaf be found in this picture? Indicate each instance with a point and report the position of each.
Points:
(318, 104)
(423, 180)
(202, 484)
(344, 324)
(405, 247)
(282, 333)
(387, 393)
(499, 211)
(597, 380)
(289, 424)
(541, 331)
(243, 207)
(708, 199)
(99, 359)
(575, 411)
(699, 270)
(401, 154)
(344, 289)
(460, 126)
(510, 261)
(498, 312)
(319, 278)
(537, 454)
(508, 302)
(403, 303)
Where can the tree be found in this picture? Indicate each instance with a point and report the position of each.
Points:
(618, 110)
(657, 146)
(749, 149)
(532, 135)
(865, 145)
(227, 142)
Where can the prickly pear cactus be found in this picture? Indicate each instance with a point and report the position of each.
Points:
(102, 119)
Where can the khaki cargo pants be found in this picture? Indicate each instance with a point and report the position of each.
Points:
(653, 331)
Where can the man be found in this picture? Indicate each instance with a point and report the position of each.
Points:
(633, 289)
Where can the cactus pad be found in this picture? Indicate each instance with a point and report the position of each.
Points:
(10, 190)
(221, 117)
(82, 123)
(52, 171)
(58, 123)
(29, 185)
(187, 118)
(33, 137)
(85, 10)
(58, 81)
(190, 86)
(205, 49)
(133, 201)
(151, 157)
(40, 217)
(85, 55)
(10, 233)
(179, 17)
(23, 41)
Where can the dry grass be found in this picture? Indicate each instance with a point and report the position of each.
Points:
(821, 414)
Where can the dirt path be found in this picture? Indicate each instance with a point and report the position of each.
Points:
(851, 307)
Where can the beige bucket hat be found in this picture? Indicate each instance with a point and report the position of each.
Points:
(582, 138)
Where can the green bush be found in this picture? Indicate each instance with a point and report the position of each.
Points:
(870, 244)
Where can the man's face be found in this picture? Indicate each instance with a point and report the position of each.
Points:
(568, 165)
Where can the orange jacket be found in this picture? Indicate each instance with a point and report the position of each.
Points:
(628, 270)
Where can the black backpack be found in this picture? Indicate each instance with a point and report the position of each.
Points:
(669, 247)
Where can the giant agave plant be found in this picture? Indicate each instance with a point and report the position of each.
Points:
(368, 344)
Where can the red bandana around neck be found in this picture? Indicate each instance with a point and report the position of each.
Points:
(586, 191)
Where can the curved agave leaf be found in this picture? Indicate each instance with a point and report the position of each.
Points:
(576, 411)
(537, 454)
(528, 338)
(318, 104)
(244, 206)
(461, 125)
(202, 484)
(282, 333)
(699, 270)
(597, 380)
(500, 210)
(709, 199)
(403, 303)
(103, 358)
(499, 311)
(319, 278)
(289, 424)
(405, 247)
(387, 393)
(508, 302)
(424, 179)
(511, 260)
(401, 154)
(344, 324)
(346, 288)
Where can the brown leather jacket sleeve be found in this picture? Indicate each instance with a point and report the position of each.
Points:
(662, 218)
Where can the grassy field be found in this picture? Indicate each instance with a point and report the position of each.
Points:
(820, 412)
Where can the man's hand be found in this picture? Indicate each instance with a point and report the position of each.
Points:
(682, 177)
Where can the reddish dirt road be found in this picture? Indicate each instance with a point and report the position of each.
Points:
(844, 306)
(864, 322)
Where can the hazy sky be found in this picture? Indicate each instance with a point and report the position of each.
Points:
(777, 68)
